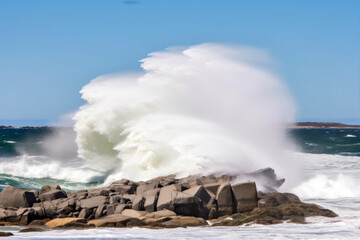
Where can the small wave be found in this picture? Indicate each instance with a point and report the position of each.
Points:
(350, 135)
(311, 144)
(323, 187)
(8, 141)
(43, 167)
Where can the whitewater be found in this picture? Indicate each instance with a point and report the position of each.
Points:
(204, 109)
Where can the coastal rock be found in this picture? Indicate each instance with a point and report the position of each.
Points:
(115, 220)
(133, 213)
(245, 195)
(92, 202)
(184, 222)
(48, 188)
(161, 214)
(166, 196)
(138, 203)
(62, 222)
(17, 198)
(52, 195)
(142, 188)
(225, 199)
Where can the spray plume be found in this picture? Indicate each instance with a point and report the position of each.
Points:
(205, 109)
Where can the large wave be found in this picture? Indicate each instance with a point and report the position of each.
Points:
(205, 109)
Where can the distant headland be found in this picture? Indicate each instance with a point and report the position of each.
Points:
(324, 125)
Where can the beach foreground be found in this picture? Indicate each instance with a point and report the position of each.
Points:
(163, 202)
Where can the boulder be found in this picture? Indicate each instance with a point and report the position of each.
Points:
(114, 220)
(212, 187)
(187, 205)
(166, 196)
(48, 188)
(151, 197)
(161, 214)
(52, 195)
(200, 192)
(92, 202)
(102, 206)
(15, 197)
(119, 208)
(122, 181)
(85, 213)
(245, 196)
(138, 203)
(61, 222)
(122, 188)
(50, 208)
(184, 222)
(133, 213)
(142, 188)
(225, 199)
(110, 209)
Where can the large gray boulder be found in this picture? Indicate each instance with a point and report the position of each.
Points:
(166, 197)
(225, 199)
(142, 188)
(48, 188)
(52, 195)
(151, 197)
(16, 198)
(92, 202)
(245, 196)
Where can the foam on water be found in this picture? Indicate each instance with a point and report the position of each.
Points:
(43, 167)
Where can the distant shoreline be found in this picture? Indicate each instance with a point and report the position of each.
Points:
(297, 125)
(324, 125)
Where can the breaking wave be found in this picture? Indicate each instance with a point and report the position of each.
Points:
(205, 109)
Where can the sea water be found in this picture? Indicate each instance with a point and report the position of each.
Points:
(331, 176)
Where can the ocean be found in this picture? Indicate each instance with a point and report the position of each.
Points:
(330, 160)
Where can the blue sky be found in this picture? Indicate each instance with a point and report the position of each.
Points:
(50, 49)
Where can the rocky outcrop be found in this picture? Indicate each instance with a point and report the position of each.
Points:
(16, 198)
(158, 203)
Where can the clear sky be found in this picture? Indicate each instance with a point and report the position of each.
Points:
(50, 49)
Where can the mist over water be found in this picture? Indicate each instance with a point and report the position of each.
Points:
(205, 109)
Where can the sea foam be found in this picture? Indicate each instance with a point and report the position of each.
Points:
(205, 109)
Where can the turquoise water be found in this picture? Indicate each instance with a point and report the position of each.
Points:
(27, 162)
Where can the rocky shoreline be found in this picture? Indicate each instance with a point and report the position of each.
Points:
(163, 202)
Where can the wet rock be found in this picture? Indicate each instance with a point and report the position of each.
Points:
(245, 196)
(6, 234)
(100, 210)
(52, 195)
(268, 201)
(115, 220)
(39, 222)
(212, 187)
(161, 213)
(142, 188)
(133, 213)
(138, 203)
(63, 221)
(119, 208)
(15, 197)
(166, 196)
(48, 188)
(92, 202)
(151, 198)
(225, 199)
(184, 222)
(32, 229)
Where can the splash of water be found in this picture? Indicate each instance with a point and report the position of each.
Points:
(205, 109)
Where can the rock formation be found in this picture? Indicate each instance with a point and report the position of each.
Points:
(157, 203)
